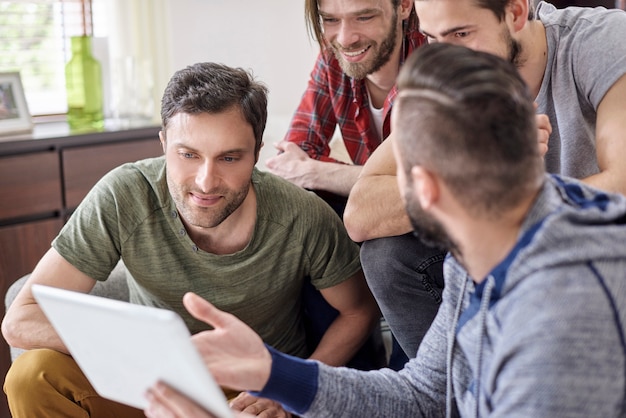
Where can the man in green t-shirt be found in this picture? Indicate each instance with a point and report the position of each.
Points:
(201, 218)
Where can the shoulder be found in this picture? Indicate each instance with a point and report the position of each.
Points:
(281, 195)
(301, 212)
(571, 20)
(141, 181)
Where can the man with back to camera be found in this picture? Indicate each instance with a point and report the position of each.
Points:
(201, 218)
(363, 44)
(574, 61)
(533, 316)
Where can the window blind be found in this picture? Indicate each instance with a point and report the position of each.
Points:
(34, 40)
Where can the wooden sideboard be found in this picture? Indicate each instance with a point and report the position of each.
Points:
(43, 177)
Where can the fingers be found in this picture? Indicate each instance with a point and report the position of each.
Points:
(204, 311)
(165, 402)
(280, 145)
(259, 407)
(544, 129)
(242, 401)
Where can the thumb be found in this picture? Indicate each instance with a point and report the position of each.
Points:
(280, 146)
(204, 311)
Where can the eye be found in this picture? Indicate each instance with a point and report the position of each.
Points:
(365, 18)
(329, 20)
(230, 159)
(461, 34)
(186, 155)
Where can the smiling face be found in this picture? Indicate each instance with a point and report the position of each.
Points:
(463, 22)
(362, 34)
(209, 160)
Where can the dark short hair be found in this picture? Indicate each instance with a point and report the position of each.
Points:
(314, 22)
(214, 88)
(468, 116)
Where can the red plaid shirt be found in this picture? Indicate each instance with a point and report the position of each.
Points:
(332, 98)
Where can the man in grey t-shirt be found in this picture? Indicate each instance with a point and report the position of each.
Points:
(574, 61)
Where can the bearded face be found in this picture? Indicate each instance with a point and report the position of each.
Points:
(425, 226)
(366, 56)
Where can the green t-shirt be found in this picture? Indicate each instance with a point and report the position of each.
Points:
(129, 214)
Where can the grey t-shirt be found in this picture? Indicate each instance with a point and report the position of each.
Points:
(130, 214)
(586, 56)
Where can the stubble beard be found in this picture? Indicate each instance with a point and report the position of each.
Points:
(381, 57)
(426, 228)
(206, 217)
(514, 50)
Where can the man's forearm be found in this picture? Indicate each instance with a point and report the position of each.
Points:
(375, 209)
(28, 328)
(343, 338)
(333, 177)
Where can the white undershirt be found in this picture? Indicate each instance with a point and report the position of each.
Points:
(377, 116)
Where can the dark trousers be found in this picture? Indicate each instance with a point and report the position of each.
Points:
(406, 278)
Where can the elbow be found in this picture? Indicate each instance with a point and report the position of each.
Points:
(355, 233)
(10, 331)
(354, 226)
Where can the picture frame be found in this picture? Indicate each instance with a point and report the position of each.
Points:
(14, 115)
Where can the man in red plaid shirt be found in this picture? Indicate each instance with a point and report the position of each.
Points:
(363, 43)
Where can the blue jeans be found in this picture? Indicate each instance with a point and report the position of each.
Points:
(406, 278)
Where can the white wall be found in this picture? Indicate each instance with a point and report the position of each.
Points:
(268, 37)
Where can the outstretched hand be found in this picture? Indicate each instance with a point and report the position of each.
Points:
(234, 354)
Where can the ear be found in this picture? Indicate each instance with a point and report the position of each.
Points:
(162, 140)
(258, 153)
(517, 14)
(405, 8)
(425, 186)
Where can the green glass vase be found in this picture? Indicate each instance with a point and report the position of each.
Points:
(83, 79)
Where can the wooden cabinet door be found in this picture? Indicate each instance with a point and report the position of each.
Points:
(84, 166)
(30, 185)
(21, 247)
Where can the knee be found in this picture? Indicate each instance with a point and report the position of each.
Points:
(378, 254)
(393, 253)
(29, 371)
(401, 259)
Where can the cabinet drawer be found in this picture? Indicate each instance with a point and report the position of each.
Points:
(84, 166)
(30, 185)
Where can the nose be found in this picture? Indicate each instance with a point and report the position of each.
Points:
(346, 34)
(207, 176)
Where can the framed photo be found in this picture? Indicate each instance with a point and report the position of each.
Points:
(14, 116)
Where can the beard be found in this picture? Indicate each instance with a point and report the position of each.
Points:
(381, 54)
(514, 50)
(426, 227)
(203, 217)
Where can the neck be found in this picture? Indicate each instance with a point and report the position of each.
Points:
(380, 83)
(534, 55)
(484, 242)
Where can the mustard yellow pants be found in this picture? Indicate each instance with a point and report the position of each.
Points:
(46, 383)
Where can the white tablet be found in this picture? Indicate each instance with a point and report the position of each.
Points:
(124, 348)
